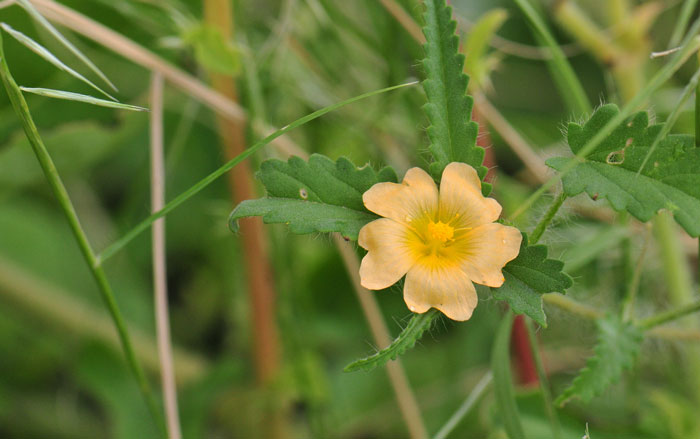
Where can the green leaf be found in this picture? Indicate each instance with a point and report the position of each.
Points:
(315, 196)
(476, 65)
(50, 57)
(406, 340)
(212, 50)
(503, 379)
(70, 96)
(613, 170)
(452, 134)
(528, 277)
(27, 6)
(617, 348)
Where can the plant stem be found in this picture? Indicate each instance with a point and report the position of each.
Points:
(466, 406)
(544, 382)
(567, 81)
(633, 287)
(670, 315)
(160, 284)
(682, 22)
(547, 218)
(22, 110)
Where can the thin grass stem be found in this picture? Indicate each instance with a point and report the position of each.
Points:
(682, 23)
(544, 382)
(206, 181)
(464, 409)
(51, 173)
(160, 285)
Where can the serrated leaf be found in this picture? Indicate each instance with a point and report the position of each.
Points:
(669, 180)
(315, 196)
(528, 277)
(50, 57)
(77, 97)
(406, 340)
(31, 10)
(617, 347)
(503, 379)
(212, 50)
(452, 134)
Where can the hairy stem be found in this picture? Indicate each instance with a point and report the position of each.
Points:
(670, 315)
(51, 173)
(547, 218)
(633, 286)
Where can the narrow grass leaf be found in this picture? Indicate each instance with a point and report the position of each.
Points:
(70, 96)
(452, 134)
(569, 85)
(31, 10)
(50, 57)
(406, 340)
(503, 380)
(206, 181)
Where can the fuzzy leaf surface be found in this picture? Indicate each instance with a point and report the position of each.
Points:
(669, 180)
(406, 340)
(617, 347)
(317, 196)
(452, 134)
(528, 277)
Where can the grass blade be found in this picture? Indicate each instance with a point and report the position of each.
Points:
(70, 96)
(206, 181)
(31, 10)
(567, 81)
(50, 57)
(49, 168)
(503, 380)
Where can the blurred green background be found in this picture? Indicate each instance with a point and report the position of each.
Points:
(62, 374)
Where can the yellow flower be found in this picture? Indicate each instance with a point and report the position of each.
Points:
(441, 241)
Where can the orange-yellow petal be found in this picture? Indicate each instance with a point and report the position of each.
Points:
(447, 289)
(486, 250)
(404, 202)
(388, 257)
(461, 200)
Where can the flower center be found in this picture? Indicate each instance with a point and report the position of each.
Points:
(440, 231)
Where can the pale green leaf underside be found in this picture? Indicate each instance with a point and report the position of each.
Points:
(406, 340)
(617, 348)
(452, 134)
(669, 180)
(70, 96)
(528, 277)
(315, 196)
(303, 217)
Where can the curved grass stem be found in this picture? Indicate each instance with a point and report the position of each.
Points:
(51, 173)
(547, 218)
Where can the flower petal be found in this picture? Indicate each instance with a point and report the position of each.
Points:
(404, 202)
(447, 289)
(461, 197)
(486, 250)
(388, 257)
